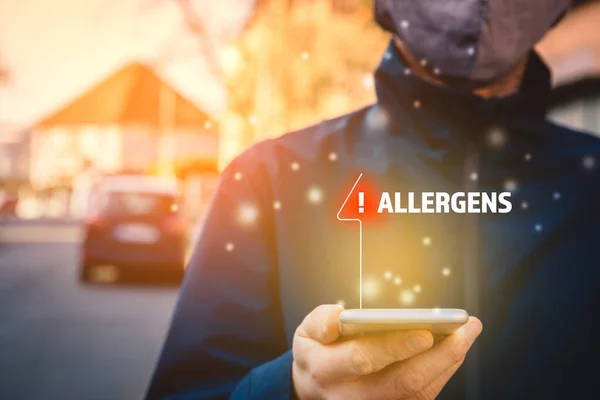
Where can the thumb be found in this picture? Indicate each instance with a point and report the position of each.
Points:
(322, 324)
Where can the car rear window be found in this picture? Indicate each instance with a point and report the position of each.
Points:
(139, 204)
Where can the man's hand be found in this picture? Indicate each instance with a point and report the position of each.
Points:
(394, 365)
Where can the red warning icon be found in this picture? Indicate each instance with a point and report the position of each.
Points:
(360, 201)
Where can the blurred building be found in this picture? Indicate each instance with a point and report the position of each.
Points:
(130, 122)
(14, 166)
(14, 155)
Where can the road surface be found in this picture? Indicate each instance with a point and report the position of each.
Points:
(62, 340)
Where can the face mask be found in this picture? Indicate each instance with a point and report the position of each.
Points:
(476, 40)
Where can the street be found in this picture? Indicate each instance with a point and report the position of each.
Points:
(63, 340)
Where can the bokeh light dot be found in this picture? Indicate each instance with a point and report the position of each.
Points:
(589, 162)
(368, 81)
(510, 185)
(315, 195)
(407, 297)
(378, 120)
(247, 214)
(370, 288)
(497, 138)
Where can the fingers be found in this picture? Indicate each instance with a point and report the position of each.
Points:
(432, 390)
(369, 354)
(414, 375)
(322, 324)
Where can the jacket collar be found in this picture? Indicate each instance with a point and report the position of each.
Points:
(407, 98)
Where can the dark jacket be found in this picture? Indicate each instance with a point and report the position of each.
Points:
(532, 276)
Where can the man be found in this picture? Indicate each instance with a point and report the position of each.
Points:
(461, 107)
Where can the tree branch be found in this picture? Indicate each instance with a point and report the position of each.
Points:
(195, 26)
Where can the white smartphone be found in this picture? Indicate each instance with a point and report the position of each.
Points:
(440, 321)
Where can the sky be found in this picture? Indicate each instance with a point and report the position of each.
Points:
(57, 49)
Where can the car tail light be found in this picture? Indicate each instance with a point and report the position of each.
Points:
(174, 224)
(96, 221)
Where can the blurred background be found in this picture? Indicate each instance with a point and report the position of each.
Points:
(91, 89)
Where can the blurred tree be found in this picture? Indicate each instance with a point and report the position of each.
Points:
(296, 63)
(195, 25)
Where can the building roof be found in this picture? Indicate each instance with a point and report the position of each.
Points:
(132, 95)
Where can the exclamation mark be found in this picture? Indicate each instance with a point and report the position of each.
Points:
(361, 202)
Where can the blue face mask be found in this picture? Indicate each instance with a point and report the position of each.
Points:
(479, 41)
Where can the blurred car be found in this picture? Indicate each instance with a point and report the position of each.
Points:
(134, 222)
(8, 205)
